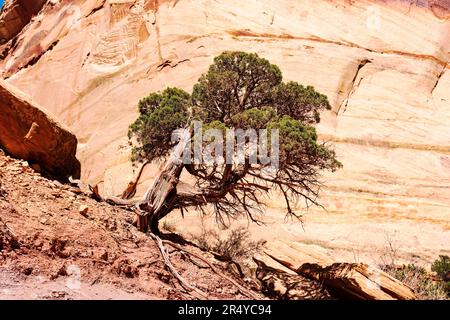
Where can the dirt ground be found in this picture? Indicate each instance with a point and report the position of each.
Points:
(57, 243)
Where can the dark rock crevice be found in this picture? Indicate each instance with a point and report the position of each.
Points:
(439, 76)
(354, 84)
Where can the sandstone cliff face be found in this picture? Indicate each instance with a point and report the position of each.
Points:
(16, 15)
(27, 132)
(383, 64)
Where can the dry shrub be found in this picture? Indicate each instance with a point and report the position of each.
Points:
(415, 277)
(235, 245)
(167, 226)
(418, 279)
(442, 269)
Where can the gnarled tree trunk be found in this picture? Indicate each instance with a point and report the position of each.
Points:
(160, 198)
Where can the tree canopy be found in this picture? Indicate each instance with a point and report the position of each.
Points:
(240, 91)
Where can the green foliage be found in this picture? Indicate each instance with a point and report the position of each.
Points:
(237, 81)
(442, 267)
(240, 90)
(299, 102)
(255, 118)
(418, 279)
(298, 144)
(215, 125)
(160, 114)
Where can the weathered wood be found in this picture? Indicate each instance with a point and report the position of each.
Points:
(294, 254)
(159, 199)
(241, 289)
(130, 191)
(345, 280)
(281, 285)
(172, 269)
(358, 281)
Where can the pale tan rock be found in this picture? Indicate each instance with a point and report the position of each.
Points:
(270, 262)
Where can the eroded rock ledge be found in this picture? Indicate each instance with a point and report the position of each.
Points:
(28, 133)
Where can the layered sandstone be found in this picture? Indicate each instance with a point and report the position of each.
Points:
(383, 64)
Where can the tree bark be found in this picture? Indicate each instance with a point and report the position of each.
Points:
(160, 198)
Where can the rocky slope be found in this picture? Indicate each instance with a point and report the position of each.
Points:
(383, 64)
(58, 243)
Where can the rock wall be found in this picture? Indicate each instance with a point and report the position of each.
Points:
(383, 64)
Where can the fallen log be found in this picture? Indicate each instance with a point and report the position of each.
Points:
(357, 281)
(344, 280)
(295, 254)
(281, 285)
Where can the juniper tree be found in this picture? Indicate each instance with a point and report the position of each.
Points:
(240, 91)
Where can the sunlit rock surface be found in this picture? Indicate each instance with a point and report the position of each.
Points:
(383, 64)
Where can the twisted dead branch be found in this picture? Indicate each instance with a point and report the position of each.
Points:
(172, 269)
(241, 289)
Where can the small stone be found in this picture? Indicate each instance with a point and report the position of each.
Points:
(61, 271)
(84, 210)
(68, 193)
(27, 271)
(104, 256)
(56, 183)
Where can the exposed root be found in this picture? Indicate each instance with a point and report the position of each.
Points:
(122, 202)
(241, 289)
(95, 193)
(172, 269)
(130, 192)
